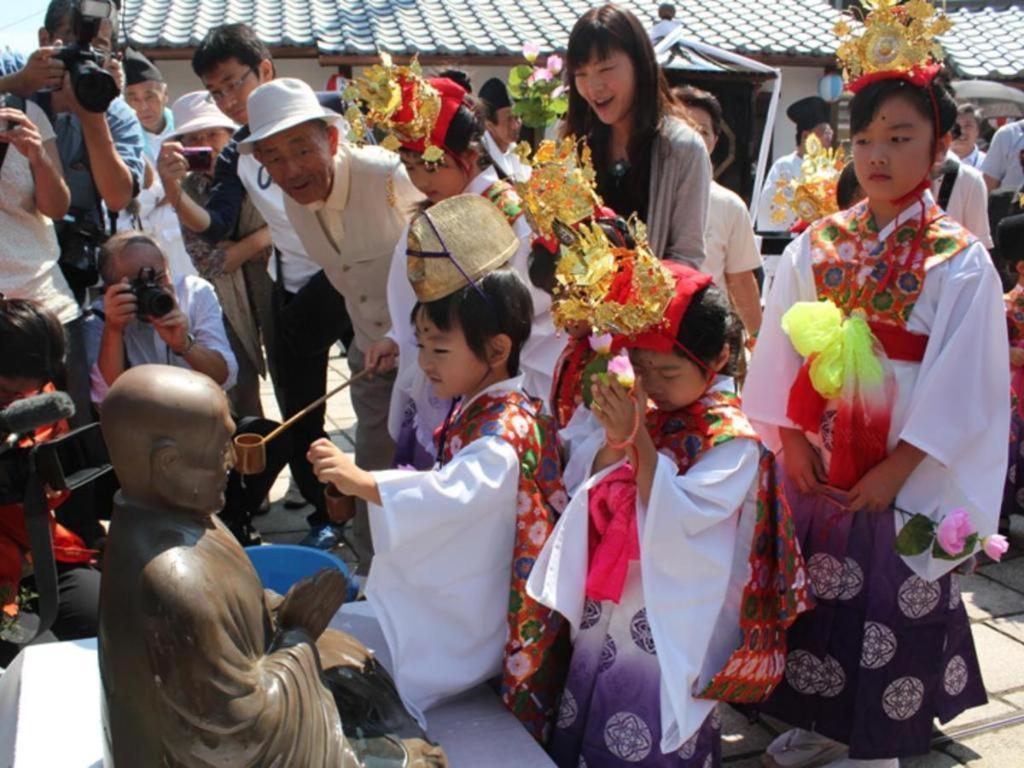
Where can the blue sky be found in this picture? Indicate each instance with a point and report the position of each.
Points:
(19, 21)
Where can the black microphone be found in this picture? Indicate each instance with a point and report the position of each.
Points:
(30, 413)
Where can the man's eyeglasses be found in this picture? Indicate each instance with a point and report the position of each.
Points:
(219, 94)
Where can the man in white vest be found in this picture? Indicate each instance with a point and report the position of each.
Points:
(349, 206)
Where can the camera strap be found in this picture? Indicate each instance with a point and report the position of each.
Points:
(40, 539)
(950, 172)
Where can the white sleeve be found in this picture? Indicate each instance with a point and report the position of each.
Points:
(440, 575)
(688, 536)
(976, 207)
(765, 206)
(965, 377)
(206, 320)
(775, 362)
(741, 254)
(997, 159)
(400, 296)
(36, 114)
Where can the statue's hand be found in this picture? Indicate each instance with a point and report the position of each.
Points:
(311, 603)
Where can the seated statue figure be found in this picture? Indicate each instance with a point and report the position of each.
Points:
(200, 665)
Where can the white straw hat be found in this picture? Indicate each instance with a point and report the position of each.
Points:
(279, 105)
(196, 112)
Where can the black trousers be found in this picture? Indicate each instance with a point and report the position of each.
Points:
(78, 607)
(306, 325)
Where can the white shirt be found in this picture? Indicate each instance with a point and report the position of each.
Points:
(1005, 159)
(269, 201)
(509, 162)
(198, 301)
(974, 158)
(968, 202)
(786, 168)
(162, 224)
(728, 236)
(28, 241)
(964, 376)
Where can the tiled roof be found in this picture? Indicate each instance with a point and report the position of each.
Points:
(473, 27)
(988, 42)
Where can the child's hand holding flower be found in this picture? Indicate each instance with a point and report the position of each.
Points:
(618, 411)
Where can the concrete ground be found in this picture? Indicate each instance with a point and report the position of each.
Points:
(994, 597)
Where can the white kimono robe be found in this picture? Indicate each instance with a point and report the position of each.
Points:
(538, 358)
(954, 405)
(443, 543)
(695, 535)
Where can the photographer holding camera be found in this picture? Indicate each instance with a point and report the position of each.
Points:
(100, 141)
(33, 344)
(144, 318)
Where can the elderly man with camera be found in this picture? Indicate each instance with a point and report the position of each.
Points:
(145, 318)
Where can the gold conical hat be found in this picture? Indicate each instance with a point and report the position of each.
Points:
(460, 239)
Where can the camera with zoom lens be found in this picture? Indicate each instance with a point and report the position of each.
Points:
(152, 297)
(94, 87)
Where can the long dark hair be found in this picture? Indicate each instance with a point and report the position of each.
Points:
(709, 324)
(603, 31)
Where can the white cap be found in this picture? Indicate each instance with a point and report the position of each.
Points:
(196, 112)
(279, 105)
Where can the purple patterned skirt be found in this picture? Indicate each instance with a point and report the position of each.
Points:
(884, 652)
(610, 714)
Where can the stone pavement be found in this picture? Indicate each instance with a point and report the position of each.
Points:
(994, 597)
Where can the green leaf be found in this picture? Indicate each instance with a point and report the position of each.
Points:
(519, 75)
(915, 537)
(598, 366)
(969, 545)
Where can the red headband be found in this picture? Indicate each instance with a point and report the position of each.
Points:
(662, 338)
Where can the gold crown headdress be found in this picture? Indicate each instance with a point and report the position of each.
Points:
(812, 195)
(898, 40)
(614, 289)
(561, 186)
(399, 100)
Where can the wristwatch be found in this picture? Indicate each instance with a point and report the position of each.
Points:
(190, 341)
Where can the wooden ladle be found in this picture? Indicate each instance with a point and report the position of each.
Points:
(251, 447)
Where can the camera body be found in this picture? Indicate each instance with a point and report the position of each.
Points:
(198, 158)
(152, 297)
(94, 87)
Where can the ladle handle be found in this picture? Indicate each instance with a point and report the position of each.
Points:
(316, 403)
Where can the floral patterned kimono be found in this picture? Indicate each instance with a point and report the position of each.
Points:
(1013, 498)
(888, 647)
(453, 549)
(674, 604)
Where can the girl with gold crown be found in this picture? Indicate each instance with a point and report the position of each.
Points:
(454, 545)
(881, 378)
(433, 125)
(654, 556)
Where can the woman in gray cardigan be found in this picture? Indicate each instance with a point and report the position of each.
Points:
(647, 161)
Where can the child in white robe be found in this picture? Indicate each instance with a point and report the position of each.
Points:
(881, 377)
(455, 545)
(652, 563)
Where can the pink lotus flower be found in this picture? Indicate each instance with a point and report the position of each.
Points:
(554, 65)
(953, 531)
(557, 93)
(995, 546)
(531, 51)
(601, 344)
(622, 369)
(541, 76)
